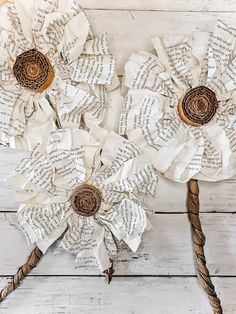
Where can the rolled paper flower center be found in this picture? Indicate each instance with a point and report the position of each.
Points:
(198, 106)
(33, 71)
(86, 200)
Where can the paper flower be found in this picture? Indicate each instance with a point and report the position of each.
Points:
(86, 194)
(181, 104)
(52, 69)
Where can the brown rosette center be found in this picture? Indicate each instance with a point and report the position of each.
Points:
(86, 200)
(198, 106)
(33, 71)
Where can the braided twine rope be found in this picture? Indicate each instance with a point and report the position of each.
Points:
(199, 242)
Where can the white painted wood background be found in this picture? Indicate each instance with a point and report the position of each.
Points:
(160, 278)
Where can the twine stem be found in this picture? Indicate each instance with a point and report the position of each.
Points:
(22, 272)
(199, 242)
(108, 273)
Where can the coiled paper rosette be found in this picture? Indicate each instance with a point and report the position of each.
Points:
(87, 196)
(181, 109)
(53, 71)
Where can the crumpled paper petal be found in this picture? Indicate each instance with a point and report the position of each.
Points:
(34, 220)
(50, 175)
(150, 117)
(127, 221)
(86, 240)
(83, 65)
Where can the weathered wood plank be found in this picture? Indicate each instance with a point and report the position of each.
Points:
(131, 31)
(171, 196)
(124, 295)
(9, 158)
(166, 249)
(214, 196)
(168, 5)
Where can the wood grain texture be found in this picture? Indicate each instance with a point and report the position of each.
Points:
(9, 158)
(124, 296)
(214, 197)
(23, 271)
(56, 285)
(167, 5)
(166, 249)
(131, 31)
